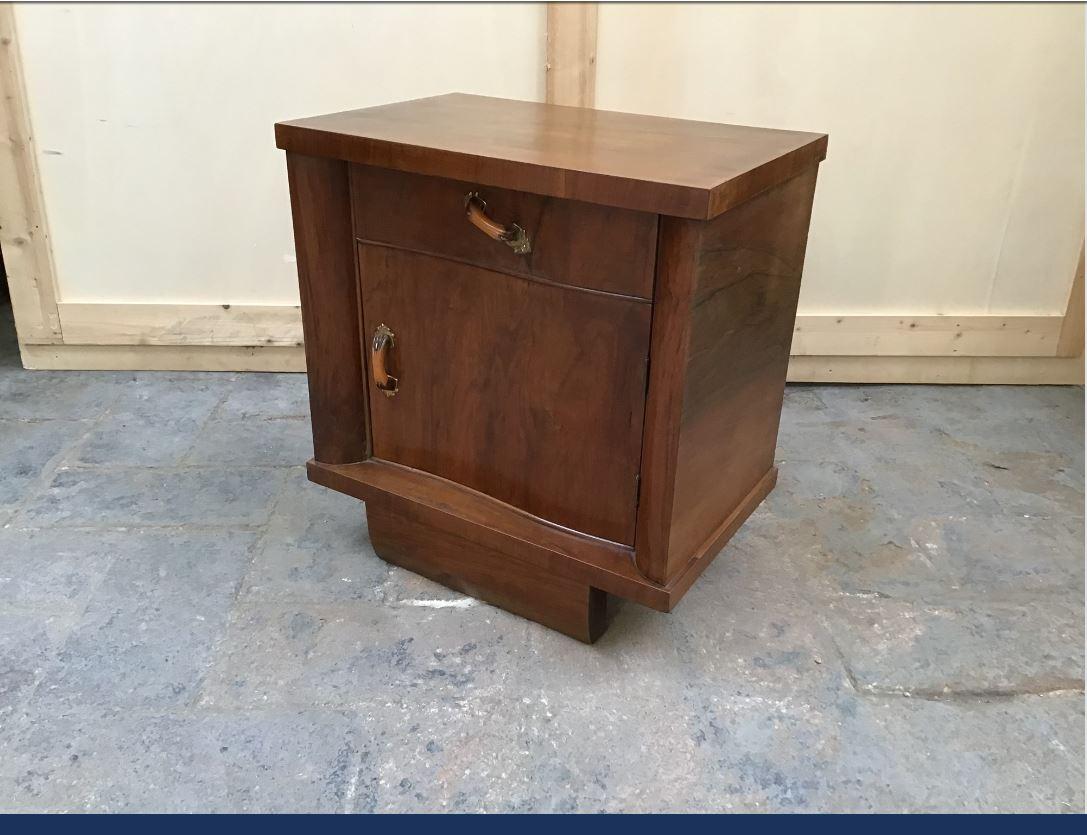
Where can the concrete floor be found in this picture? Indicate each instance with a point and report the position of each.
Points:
(187, 624)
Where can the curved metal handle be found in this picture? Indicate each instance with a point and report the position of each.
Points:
(384, 339)
(476, 210)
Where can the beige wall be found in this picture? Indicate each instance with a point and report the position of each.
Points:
(948, 217)
(161, 179)
(954, 182)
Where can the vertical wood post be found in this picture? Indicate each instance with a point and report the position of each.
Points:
(571, 54)
(23, 231)
(1070, 341)
(679, 242)
(325, 248)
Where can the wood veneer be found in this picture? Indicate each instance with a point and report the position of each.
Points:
(585, 409)
(575, 244)
(325, 250)
(665, 166)
(535, 379)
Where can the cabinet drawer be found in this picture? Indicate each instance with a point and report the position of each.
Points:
(528, 392)
(572, 243)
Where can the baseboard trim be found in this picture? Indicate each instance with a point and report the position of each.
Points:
(979, 335)
(162, 358)
(981, 349)
(863, 335)
(244, 325)
(1042, 371)
(1052, 371)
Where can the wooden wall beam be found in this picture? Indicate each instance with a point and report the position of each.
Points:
(180, 324)
(163, 358)
(1008, 371)
(858, 335)
(570, 70)
(928, 370)
(984, 335)
(1070, 340)
(24, 234)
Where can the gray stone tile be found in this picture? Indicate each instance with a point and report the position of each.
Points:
(1000, 755)
(124, 761)
(742, 630)
(749, 629)
(29, 448)
(58, 395)
(1023, 419)
(156, 497)
(55, 571)
(757, 753)
(166, 397)
(960, 646)
(646, 654)
(284, 442)
(1034, 484)
(814, 427)
(149, 628)
(879, 755)
(918, 476)
(353, 654)
(1005, 418)
(879, 550)
(922, 539)
(557, 745)
(316, 549)
(138, 440)
(715, 751)
(553, 725)
(504, 752)
(405, 588)
(266, 396)
(878, 534)
(812, 481)
(226, 378)
(1013, 555)
(558, 726)
(30, 642)
(917, 422)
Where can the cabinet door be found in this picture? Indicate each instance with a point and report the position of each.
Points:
(529, 392)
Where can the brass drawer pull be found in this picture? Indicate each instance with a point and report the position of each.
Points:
(513, 235)
(384, 339)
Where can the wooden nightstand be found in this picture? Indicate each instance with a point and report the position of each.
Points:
(547, 345)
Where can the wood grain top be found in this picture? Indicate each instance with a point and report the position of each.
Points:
(667, 166)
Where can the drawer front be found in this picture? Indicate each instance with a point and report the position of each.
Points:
(528, 392)
(572, 243)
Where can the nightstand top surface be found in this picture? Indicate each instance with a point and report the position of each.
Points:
(667, 166)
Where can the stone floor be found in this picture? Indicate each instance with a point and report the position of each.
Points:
(187, 624)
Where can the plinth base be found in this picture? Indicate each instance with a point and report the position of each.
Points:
(570, 607)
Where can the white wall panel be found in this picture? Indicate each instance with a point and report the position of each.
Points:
(162, 182)
(954, 181)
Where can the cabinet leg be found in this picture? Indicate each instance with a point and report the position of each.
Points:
(575, 609)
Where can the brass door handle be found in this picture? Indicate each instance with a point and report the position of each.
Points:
(384, 339)
(476, 210)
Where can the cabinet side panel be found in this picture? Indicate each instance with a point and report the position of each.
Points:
(321, 205)
(743, 310)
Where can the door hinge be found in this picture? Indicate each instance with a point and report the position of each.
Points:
(637, 489)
